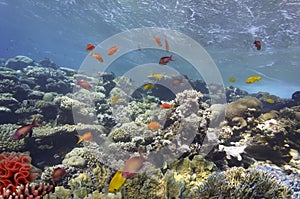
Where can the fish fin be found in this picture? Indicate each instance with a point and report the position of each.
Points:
(79, 139)
(35, 123)
(30, 133)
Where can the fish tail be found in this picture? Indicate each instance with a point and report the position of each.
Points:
(171, 58)
(79, 139)
(35, 123)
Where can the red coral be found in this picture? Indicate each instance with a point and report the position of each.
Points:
(15, 170)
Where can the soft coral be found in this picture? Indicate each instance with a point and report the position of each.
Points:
(15, 169)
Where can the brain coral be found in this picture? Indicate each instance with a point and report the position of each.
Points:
(15, 169)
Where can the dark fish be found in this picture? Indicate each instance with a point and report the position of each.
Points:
(58, 174)
(24, 130)
(165, 60)
(257, 44)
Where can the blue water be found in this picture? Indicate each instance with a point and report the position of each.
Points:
(60, 31)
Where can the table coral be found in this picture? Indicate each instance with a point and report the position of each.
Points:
(15, 170)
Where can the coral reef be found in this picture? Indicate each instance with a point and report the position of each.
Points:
(29, 191)
(237, 182)
(15, 170)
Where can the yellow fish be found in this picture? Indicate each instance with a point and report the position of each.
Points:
(114, 99)
(270, 100)
(157, 76)
(148, 86)
(232, 79)
(252, 79)
(116, 182)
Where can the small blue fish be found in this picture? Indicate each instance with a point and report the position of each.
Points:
(24, 130)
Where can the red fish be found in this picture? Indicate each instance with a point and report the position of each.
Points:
(84, 84)
(165, 60)
(90, 47)
(257, 44)
(58, 174)
(24, 130)
(166, 106)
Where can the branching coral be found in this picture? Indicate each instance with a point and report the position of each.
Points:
(15, 170)
(240, 183)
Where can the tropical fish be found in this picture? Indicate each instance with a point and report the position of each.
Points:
(84, 84)
(157, 40)
(166, 106)
(165, 60)
(90, 47)
(148, 86)
(116, 182)
(166, 44)
(252, 79)
(176, 82)
(112, 50)
(257, 44)
(97, 56)
(232, 79)
(139, 47)
(114, 99)
(133, 165)
(58, 174)
(85, 137)
(153, 126)
(157, 76)
(24, 130)
(269, 100)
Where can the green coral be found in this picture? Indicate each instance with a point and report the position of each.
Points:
(81, 186)
(192, 172)
(238, 182)
(61, 193)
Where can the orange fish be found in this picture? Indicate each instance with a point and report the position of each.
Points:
(166, 44)
(90, 47)
(153, 126)
(85, 137)
(24, 130)
(84, 84)
(157, 40)
(58, 174)
(257, 44)
(176, 82)
(166, 106)
(97, 56)
(112, 50)
(165, 60)
(133, 165)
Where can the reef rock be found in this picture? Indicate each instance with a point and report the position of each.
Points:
(244, 107)
(18, 62)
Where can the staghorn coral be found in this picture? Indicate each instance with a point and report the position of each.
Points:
(238, 182)
(15, 170)
(29, 191)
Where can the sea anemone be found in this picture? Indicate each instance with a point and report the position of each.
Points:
(15, 170)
